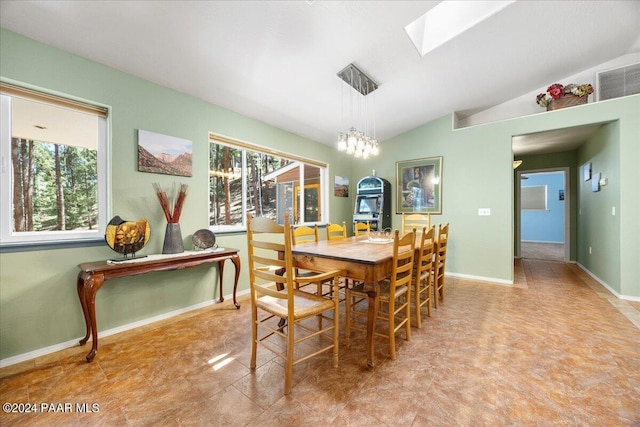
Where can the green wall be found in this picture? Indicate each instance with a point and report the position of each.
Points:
(39, 305)
(598, 228)
(38, 301)
(478, 173)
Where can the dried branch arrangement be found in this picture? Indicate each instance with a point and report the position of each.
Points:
(172, 216)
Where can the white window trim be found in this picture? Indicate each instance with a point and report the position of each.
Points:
(244, 146)
(7, 235)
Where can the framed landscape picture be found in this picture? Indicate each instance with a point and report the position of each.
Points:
(419, 186)
(164, 154)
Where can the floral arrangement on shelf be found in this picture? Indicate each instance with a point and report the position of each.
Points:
(556, 91)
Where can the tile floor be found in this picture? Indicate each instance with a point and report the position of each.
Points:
(555, 349)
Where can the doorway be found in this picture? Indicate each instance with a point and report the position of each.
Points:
(543, 214)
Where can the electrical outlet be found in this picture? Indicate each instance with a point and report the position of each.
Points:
(484, 211)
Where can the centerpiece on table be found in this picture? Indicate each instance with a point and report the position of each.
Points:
(558, 96)
(173, 243)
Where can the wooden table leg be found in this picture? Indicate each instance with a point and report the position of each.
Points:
(221, 270)
(372, 314)
(88, 285)
(83, 277)
(235, 259)
(236, 262)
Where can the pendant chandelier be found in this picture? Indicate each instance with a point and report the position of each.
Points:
(360, 138)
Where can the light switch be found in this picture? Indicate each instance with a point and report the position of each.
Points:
(613, 210)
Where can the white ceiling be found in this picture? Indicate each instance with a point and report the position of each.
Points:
(276, 61)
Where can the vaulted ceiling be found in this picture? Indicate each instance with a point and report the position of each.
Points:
(276, 61)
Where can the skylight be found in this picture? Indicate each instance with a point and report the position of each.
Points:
(448, 20)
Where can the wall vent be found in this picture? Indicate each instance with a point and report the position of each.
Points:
(618, 82)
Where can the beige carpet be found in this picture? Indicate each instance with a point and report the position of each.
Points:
(548, 251)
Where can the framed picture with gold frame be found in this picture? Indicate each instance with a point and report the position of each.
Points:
(419, 186)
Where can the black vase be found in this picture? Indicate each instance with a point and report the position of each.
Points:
(173, 239)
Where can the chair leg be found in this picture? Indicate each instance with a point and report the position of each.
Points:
(418, 306)
(407, 313)
(289, 369)
(347, 317)
(429, 297)
(392, 326)
(336, 324)
(254, 336)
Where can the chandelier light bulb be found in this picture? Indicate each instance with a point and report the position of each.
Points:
(352, 139)
(342, 142)
(358, 141)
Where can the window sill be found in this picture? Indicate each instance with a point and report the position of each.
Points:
(49, 245)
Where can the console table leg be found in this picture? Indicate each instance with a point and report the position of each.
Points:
(81, 284)
(94, 283)
(221, 269)
(236, 262)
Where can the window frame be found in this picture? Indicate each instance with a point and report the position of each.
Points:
(246, 146)
(534, 198)
(36, 240)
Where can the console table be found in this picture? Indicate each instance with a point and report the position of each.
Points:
(92, 276)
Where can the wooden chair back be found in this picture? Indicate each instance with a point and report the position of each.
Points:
(403, 255)
(361, 228)
(395, 292)
(274, 294)
(417, 221)
(270, 259)
(304, 234)
(423, 273)
(440, 263)
(336, 231)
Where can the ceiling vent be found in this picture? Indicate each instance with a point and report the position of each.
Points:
(618, 82)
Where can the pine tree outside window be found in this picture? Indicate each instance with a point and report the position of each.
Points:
(53, 167)
(246, 178)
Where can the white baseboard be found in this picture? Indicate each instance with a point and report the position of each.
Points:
(481, 278)
(73, 343)
(606, 286)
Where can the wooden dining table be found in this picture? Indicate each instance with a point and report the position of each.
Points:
(361, 259)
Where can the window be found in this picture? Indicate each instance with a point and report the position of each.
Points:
(533, 198)
(245, 178)
(53, 153)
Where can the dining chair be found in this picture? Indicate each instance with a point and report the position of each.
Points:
(394, 293)
(422, 274)
(269, 244)
(417, 221)
(336, 231)
(439, 263)
(306, 234)
(361, 228)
